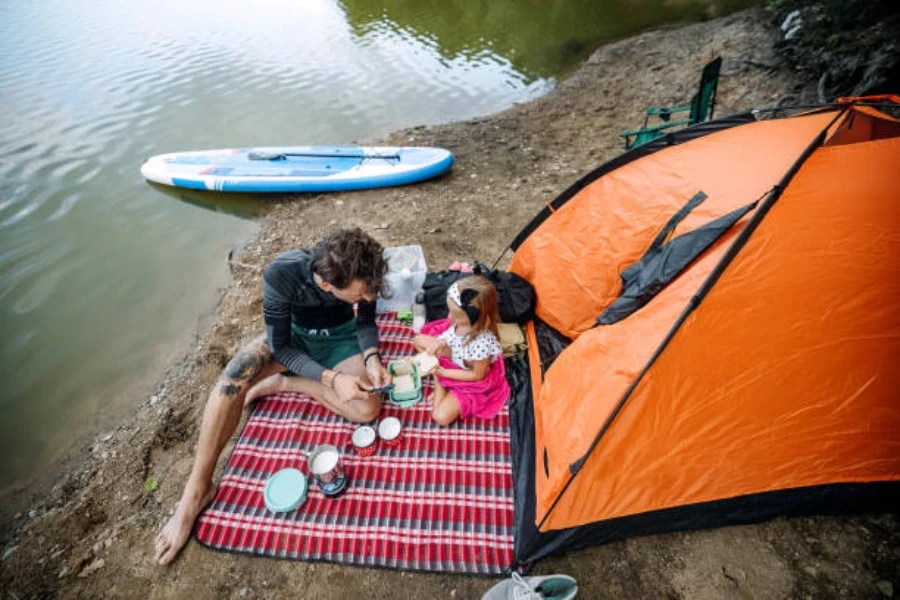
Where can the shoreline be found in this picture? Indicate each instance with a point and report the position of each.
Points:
(93, 533)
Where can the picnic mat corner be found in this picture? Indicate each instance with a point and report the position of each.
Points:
(440, 501)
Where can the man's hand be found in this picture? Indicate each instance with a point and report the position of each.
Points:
(347, 387)
(377, 373)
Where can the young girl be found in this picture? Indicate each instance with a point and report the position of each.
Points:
(470, 380)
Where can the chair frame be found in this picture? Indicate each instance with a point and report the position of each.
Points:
(700, 109)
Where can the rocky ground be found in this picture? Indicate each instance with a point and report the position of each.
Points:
(91, 534)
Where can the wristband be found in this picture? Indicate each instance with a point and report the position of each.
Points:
(368, 356)
(335, 376)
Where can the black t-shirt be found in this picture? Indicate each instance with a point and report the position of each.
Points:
(291, 295)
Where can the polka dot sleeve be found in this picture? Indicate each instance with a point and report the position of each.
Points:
(484, 346)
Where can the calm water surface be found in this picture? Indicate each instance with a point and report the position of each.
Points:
(102, 276)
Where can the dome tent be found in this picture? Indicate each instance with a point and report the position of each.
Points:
(717, 332)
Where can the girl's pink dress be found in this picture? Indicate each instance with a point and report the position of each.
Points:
(482, 399)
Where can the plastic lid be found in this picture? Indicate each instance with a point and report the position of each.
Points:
(285, 490)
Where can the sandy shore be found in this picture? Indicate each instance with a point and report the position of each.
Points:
(92, 534)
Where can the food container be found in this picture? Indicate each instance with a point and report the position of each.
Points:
(390, 430)
(400, 396)
(364, 440)
(285, 490)
(325, 466)
(405, 276)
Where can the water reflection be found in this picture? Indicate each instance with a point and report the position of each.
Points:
(245, 206)
(539, 38)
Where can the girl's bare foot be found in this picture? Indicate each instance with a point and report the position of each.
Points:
(175, 533)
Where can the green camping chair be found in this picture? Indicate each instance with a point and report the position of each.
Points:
(701, 109)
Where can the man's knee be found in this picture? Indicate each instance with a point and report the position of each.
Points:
(248, 362)
(366, 411)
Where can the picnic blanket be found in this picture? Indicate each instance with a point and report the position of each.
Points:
(441, 500)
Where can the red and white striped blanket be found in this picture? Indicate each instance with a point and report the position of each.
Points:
(442, 500)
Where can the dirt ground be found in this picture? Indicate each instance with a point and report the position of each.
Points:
(91, 534)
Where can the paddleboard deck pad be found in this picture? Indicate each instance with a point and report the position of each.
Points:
(297, 168)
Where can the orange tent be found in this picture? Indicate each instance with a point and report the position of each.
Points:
(718, 332)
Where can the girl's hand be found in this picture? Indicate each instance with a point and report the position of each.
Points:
(442, 349)
(428, 343)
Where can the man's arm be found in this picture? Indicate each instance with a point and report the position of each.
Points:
(277, 315)
(366, 329)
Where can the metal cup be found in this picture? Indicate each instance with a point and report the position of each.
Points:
(325, 467)
(389, 430)
(364, 440)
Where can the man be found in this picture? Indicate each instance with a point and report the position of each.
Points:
(313, 344)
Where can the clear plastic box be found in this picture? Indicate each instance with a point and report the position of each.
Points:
(406, 274)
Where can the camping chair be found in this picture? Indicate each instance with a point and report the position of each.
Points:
(701, 109)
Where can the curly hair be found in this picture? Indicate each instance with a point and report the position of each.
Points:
(349, 254)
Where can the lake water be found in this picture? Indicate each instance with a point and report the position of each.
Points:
(102, 276)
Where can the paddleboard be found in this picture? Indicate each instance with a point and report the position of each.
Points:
(298, 168)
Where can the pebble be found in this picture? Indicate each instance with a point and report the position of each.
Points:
(92, 568)
(886, 588)
(9, 552)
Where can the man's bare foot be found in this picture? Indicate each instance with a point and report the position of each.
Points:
(266, 387)
(175, 533)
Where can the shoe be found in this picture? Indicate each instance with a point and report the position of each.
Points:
(549, 587)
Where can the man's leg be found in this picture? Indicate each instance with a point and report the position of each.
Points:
(220, 418)
(357, 411)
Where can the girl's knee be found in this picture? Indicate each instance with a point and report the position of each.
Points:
(442, 416)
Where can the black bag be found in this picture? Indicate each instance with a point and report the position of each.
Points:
(515, 296)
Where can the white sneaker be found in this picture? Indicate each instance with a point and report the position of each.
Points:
(548, 587)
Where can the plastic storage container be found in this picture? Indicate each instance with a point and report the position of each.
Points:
(285, 490)
(406, 274)
(408, 398)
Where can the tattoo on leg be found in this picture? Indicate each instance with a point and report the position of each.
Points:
(247, 363)
(229, 389)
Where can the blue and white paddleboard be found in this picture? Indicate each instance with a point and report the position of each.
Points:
(298, 168)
